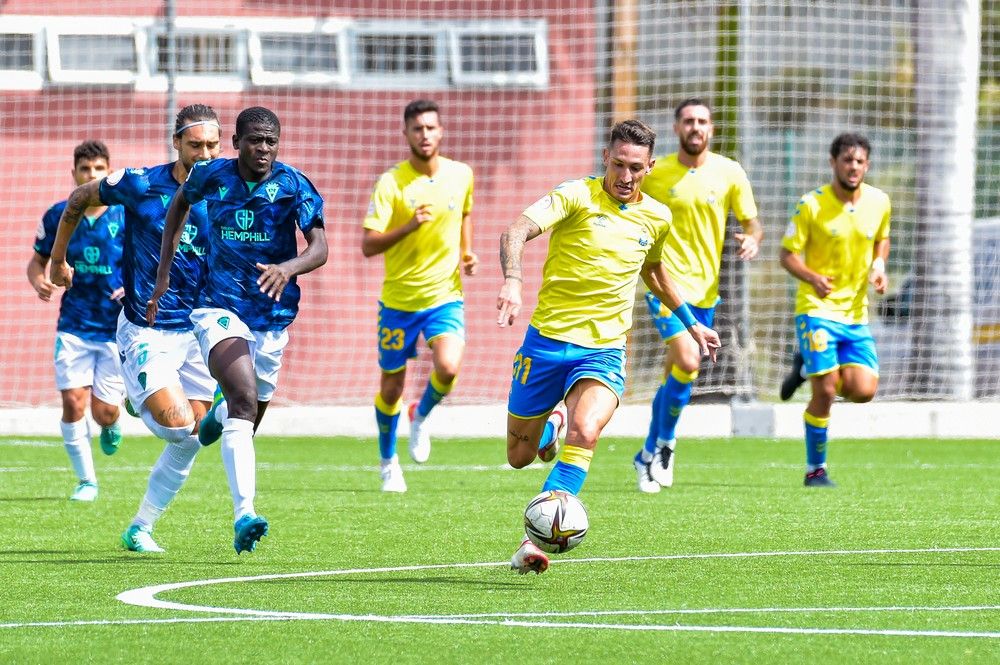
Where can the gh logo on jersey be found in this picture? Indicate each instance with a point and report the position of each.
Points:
(89, 265)
(244, 219)
(91, 254)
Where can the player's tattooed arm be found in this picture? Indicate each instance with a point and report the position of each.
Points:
(511, 252)
(85, 196)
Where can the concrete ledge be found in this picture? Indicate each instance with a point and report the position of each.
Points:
(865, 421)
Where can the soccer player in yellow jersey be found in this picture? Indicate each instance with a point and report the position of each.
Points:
(836, 244)
(419, 217)
(605, 235)
(700, 187)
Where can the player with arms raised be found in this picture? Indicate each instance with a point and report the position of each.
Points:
(250, 296)
(605, 235)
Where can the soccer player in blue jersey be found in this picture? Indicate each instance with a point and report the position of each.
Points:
(166, 379)
(420, 218)
(836, 244)
(86, 357)
(605, 235)
(250, 296)
(700, 187)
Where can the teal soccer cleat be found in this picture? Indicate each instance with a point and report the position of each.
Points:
(249, 529)
(139, 539)
(111, 438)
(85, 491)
(210, 429)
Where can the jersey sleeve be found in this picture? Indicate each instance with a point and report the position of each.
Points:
(558, 204)
(194, 186)
(658, 252)
(381, 205)
(309, 205)
(124, 186)
(45, 234)
(797, 231)
(744, 206)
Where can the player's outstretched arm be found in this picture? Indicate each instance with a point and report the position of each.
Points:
(797, 268)
(511, 254)
(85, 196)
(173, 227)
(750, 239)
(658, 280)
(274, 277)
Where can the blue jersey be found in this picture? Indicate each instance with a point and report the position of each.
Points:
(251, 224)
(146, 195)
(95, 254)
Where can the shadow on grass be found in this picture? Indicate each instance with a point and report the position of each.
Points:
(421, 580)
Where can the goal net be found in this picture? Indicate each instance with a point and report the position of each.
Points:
(528, 91)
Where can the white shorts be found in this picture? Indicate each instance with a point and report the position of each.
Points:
(213, 325)
(154, 359)
(81, 363)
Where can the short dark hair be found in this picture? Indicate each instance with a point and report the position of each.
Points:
(633, 132)
(256, 115)
(691, 101)
(91, 150)
(849, 140)
(418, 106)
(193, 113)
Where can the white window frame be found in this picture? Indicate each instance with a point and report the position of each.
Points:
(436, 80)
(538, 29)
(90, 25)
(197, 25)
(284, 27)
(25, 79)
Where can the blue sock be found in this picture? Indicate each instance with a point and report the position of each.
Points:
(654, 421)
(387, 415)
(570, 471)
(676, 395)
(816, 432)
(433, 394)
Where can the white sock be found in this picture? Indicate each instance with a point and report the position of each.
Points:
(77, 444)
(387, 462)
(645, 455)
(240, 459)
(661, 443)
(166, 479)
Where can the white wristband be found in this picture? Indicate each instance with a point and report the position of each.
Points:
(878, 264)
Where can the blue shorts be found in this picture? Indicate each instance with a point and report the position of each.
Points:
(398, 331)
(669, 326)
(545, 369)
(828, 345)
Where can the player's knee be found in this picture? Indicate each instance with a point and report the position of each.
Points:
(243, 404)
(104, 414)
(170, 434)
(520, 456)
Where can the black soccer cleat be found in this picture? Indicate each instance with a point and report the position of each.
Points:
(818, 478)
(793, 379)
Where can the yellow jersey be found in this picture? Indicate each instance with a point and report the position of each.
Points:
(700, 200)
(422, 269)
(837, 239)
(597, 248)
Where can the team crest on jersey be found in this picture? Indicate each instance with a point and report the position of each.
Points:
(115, 177)
(91, 254)
(244, 219)
(271, 189)
(189, 233)
(644, 239)
(790, 229)
(672, 192)
(136, 171)
(222, 193)
(113, 228)
(602, 221)
(451, 204)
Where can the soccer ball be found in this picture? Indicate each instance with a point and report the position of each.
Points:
(556, 521)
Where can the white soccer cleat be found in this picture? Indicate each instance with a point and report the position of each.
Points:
(661, 469)
(86, 491)
(558, 420)
(420, 438)
(529, 559)
(646, 483)
(392, 477)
